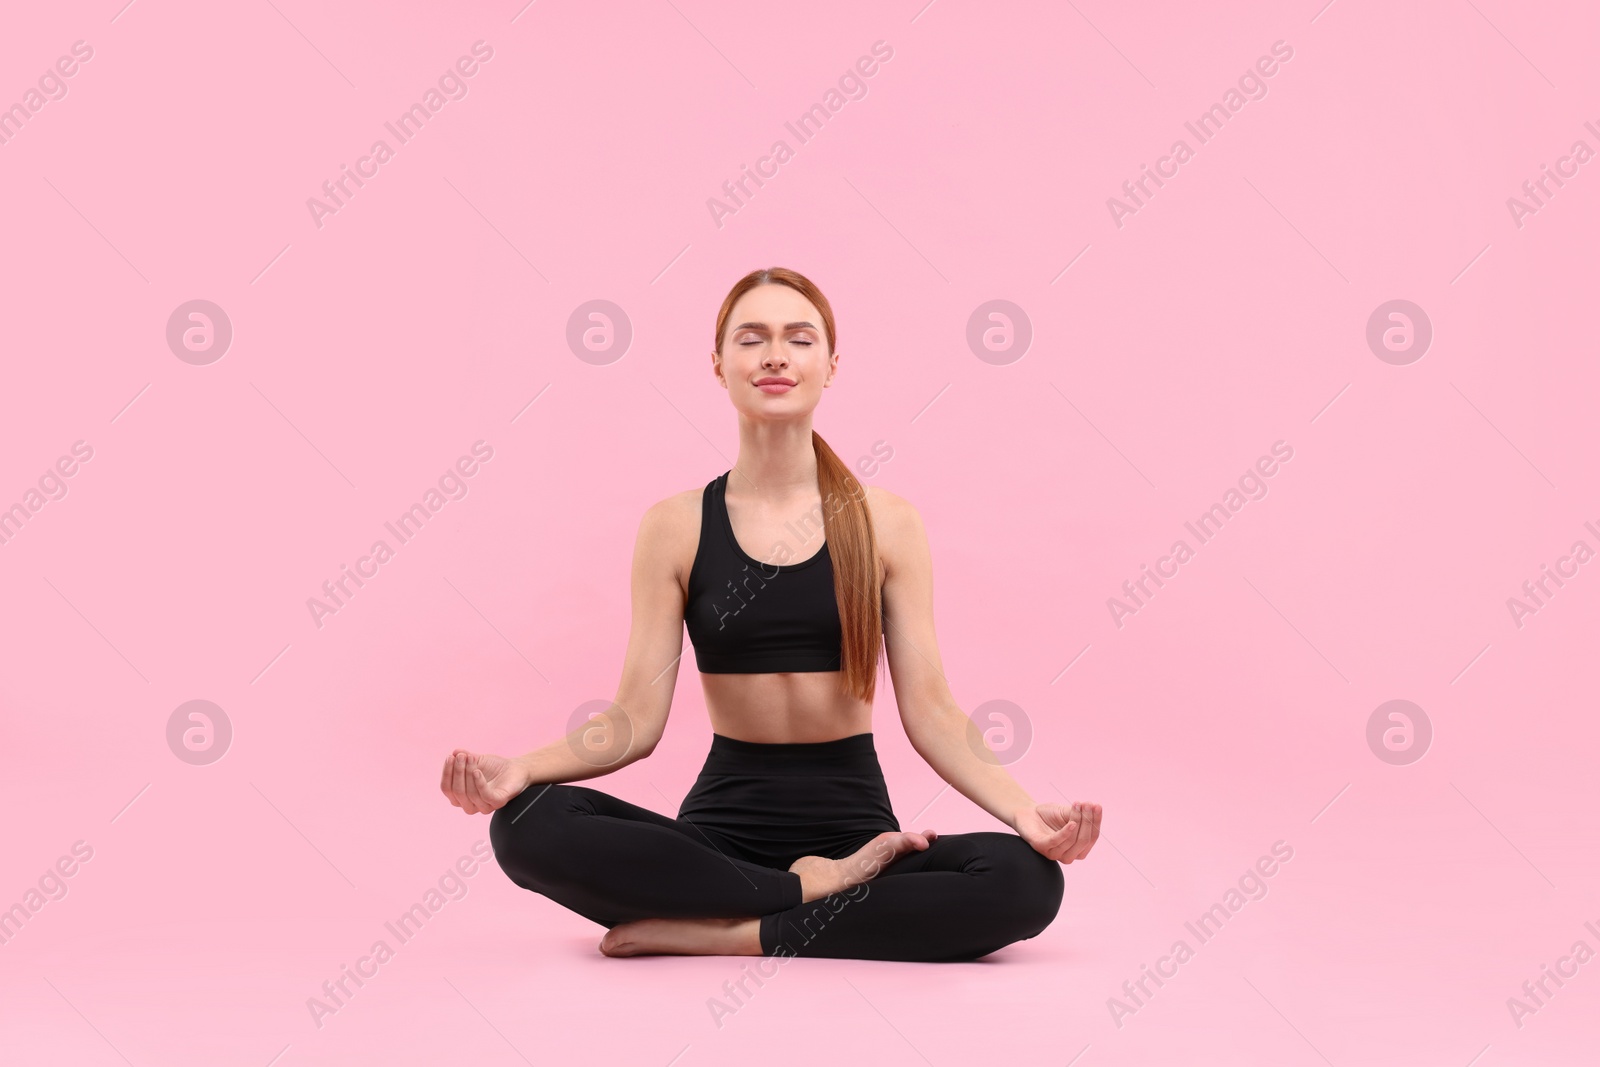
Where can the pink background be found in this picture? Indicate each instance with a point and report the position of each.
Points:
(368, 354)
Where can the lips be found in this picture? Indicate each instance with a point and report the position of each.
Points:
(774, 385)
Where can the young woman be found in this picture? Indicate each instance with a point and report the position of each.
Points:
(786, 845)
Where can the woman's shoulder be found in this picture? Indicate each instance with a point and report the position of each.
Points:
(896, 526)
(678, 513)
(669, 532)
(889, 508)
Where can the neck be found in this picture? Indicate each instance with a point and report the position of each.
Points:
(775, 459)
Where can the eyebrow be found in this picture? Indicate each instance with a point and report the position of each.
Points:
(786, 326)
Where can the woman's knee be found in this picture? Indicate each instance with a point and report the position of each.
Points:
(1033, 883)
(525, 832)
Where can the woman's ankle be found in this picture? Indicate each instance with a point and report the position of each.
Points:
(819, 877)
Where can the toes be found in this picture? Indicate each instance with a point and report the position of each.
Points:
(616, 943)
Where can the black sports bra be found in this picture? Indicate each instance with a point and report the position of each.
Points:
(749, 617)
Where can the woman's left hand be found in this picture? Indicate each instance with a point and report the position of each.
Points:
(1060, 831)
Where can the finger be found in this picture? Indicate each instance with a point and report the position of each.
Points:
(1086, 835)
(1086, 838)
(447, 779)
(1054, 843)
(1076, 850)
(1063, 839)
(458, 796)
(491, 796)
(1058, 846)
(1047, 815)
(479, 786)
(487, 797)
(1094, 829)
(474, 793)
(458, 779)
(1069, 850)
(444, 778)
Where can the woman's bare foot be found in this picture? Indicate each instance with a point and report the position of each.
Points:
(684, 937)
(820, 877)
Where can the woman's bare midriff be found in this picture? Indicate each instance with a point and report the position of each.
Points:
(792, 707)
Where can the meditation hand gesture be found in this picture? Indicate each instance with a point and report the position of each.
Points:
(479, 784)
(1060, 831)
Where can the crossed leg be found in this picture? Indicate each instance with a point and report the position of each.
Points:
(963, 897)
(613, 862)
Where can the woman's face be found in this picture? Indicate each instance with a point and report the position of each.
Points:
(774, 336)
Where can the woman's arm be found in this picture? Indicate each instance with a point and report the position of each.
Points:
(630, 729)
(938, 729)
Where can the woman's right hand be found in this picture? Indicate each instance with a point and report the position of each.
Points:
(478, 784)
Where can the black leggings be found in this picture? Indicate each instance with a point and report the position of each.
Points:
(753, 811)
